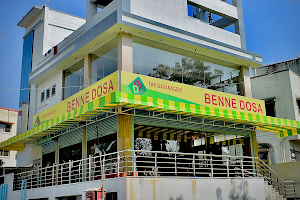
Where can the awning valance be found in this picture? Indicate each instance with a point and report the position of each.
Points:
(282, 127)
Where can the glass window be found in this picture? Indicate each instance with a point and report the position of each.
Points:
(104, 61)
(4, 153)
(26, 68)
(173, 64)
(42, 96)
(48, 93)
(73, 79)
(53, 90)
(73, 152)
(5, 127)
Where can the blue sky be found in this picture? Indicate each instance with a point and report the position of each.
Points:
(272, 30)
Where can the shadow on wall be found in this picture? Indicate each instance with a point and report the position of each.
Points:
(179, 198)
(237, 191)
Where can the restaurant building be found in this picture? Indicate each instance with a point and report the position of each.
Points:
(161, 89)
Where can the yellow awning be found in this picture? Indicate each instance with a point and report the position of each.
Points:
(283, 127)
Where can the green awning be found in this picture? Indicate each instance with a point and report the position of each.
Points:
(282, 127)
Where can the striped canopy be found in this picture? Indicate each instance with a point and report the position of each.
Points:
(282, 127)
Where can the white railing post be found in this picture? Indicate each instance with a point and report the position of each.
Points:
(155, 164)
(134, 163)
(242, 166)
(118, 164)
(31, 179)
(211, 167)
(61, 174)
(53, 174)
(227, 163)
(69, 171)
(38, 177)
(103, 161)
(175, 166)
(194, 165)
(90, 167)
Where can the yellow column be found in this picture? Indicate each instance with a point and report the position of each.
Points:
(84, 144)
(57, 152)
(125, 134)
(254, 144)
(125, 141)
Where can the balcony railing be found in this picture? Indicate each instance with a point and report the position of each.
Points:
(135, 163)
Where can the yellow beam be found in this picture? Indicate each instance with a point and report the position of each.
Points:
(14, 147)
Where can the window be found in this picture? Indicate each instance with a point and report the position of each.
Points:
(48, 93)
(4, 127)
(270, 107)
(210, 17)
(53, 90)
(174, 64)
(43, 96)
(104, 61)
(4, 153)
(73, 79)
(298, 103)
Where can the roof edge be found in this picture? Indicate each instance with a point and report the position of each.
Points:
(27, 17)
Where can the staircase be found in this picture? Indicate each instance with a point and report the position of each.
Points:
(275, 187)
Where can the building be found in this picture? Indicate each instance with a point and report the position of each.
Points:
(161, 89)
(278, 85)
(44, 29)
(8, 128)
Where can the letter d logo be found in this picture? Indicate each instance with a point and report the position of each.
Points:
(135, 89)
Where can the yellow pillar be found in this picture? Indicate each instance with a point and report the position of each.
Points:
(125, 140)
(125, 134)
(84, 144)
(57, 152)
(254, 144)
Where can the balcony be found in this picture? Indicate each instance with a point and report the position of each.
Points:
(153, 164)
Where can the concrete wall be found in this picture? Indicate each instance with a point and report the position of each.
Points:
(289, 172)
(39, 106)
(284, 86)
(275, 85)
(197, 189)
(175, 14)
(112, 185)
(295, 84)
(9, 116)
(30, 153)
(156, 188)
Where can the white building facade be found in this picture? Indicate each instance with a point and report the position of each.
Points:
(161, 89)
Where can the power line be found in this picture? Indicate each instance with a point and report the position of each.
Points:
(10, 32)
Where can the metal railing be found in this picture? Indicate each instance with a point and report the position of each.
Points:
(138, 163)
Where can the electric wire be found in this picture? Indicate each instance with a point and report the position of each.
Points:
(19, 19)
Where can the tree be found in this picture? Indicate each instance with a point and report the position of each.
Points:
(192, 72)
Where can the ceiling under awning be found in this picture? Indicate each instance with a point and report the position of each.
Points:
(282, 127)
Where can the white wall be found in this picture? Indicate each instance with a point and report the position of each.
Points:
(276, 85)
(175, 14)
(30, 153)
(285, 86)
(9, 116)
(295, 84)
(55, 79)
(158, 188)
